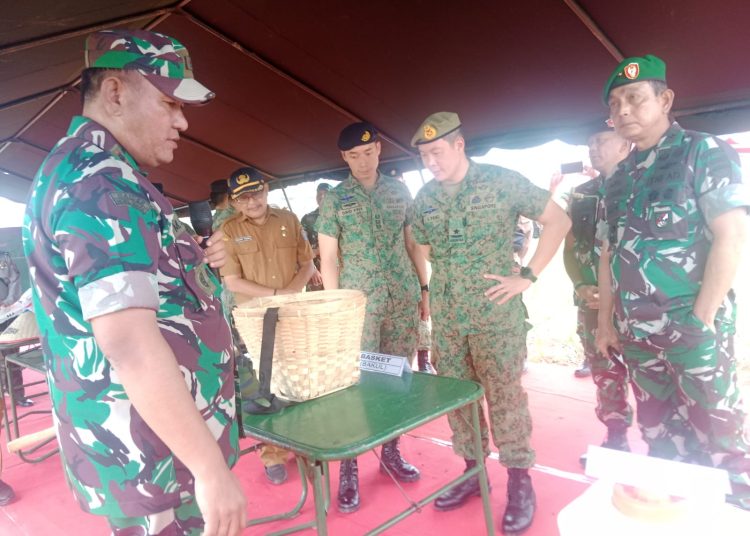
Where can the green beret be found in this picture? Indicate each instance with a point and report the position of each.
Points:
(636, 69)
(435, 127)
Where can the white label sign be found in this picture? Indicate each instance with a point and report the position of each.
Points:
(383, 363)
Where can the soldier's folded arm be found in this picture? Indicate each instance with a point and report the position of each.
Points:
(729, 239)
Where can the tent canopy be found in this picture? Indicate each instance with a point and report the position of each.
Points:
(290, 75)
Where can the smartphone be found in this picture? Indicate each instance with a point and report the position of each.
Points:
(571, 167)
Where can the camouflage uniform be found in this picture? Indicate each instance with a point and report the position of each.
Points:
(99, 239)
(308, 225)
(471, 234)
(370, 229)
(610, 375)
(658, 204)
(221, 215)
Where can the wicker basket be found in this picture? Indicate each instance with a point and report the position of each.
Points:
(317, 344)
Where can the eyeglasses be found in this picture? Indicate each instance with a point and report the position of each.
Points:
(247, 196)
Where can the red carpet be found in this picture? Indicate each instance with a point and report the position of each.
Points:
(564, 424)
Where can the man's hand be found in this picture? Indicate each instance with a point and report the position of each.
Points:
(590, 295)
(316, 278)
(222, 503)
(215, 254)
(606, 339)
(507, 287)
(424, 306)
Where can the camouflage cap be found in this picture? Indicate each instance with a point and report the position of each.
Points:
(635, 69)
(435, 127)
(357, 134)
(162, 60)
(245, 179)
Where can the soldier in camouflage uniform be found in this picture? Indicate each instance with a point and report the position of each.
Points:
(464, 219)
(308, 224)
(677, 210)
(135, 340)
(219, 198)
(366, 218)
(581, 256)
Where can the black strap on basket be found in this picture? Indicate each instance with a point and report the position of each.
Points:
(263, 400)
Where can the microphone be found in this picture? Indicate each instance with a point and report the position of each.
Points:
(202, 222)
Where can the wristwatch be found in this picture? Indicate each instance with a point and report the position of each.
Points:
(425, 288)
(526, 273)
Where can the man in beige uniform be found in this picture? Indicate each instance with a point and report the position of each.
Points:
(267, 254)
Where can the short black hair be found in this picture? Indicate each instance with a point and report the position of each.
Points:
(451, 137)
(92, 78)
(659, 86)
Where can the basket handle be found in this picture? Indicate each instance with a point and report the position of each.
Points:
(270, 318)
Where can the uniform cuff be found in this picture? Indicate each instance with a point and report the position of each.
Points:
(116, 292)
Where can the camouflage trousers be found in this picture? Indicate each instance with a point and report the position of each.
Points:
(609, 374)
(688, 401)
(495, 360)
(184, 520)
(391, 327)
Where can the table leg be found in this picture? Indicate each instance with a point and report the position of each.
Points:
(482, 474)
(321, 496)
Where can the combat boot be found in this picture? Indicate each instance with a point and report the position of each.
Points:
(519, 512)
(459, 494)
(423, 362)
(392, 462)
(348, 497)
(617, 439)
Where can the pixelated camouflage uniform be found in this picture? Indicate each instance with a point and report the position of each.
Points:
(369, 227)
(471, 234)
(609, 374)
(659, 203)
(99, 238)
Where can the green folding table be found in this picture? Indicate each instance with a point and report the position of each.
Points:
(354, 420)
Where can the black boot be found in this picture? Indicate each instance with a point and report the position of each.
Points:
(617, 439)
(423, 362)
(519, 512)
(458, 495)
(348, 498)
(392, 462)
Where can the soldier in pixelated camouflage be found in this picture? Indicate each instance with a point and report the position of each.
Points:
(366, 219)
(135, 339)
(464, 219)
(677, 216)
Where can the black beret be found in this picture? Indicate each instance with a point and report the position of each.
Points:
(357, 134)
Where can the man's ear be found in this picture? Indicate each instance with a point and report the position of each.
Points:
(111, 95)
(377, 147)
(667, 99)
(460, 143)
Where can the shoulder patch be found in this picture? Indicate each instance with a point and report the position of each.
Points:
(129, 199)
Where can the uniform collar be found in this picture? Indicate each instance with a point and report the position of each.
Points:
(351, 183)
(93, 132)
(271, 214)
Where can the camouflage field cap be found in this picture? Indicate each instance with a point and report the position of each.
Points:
(164, 61)
(245, 179)
(435, 127)
(635, 69)
(357, 134)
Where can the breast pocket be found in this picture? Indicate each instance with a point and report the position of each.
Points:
(667, 213)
